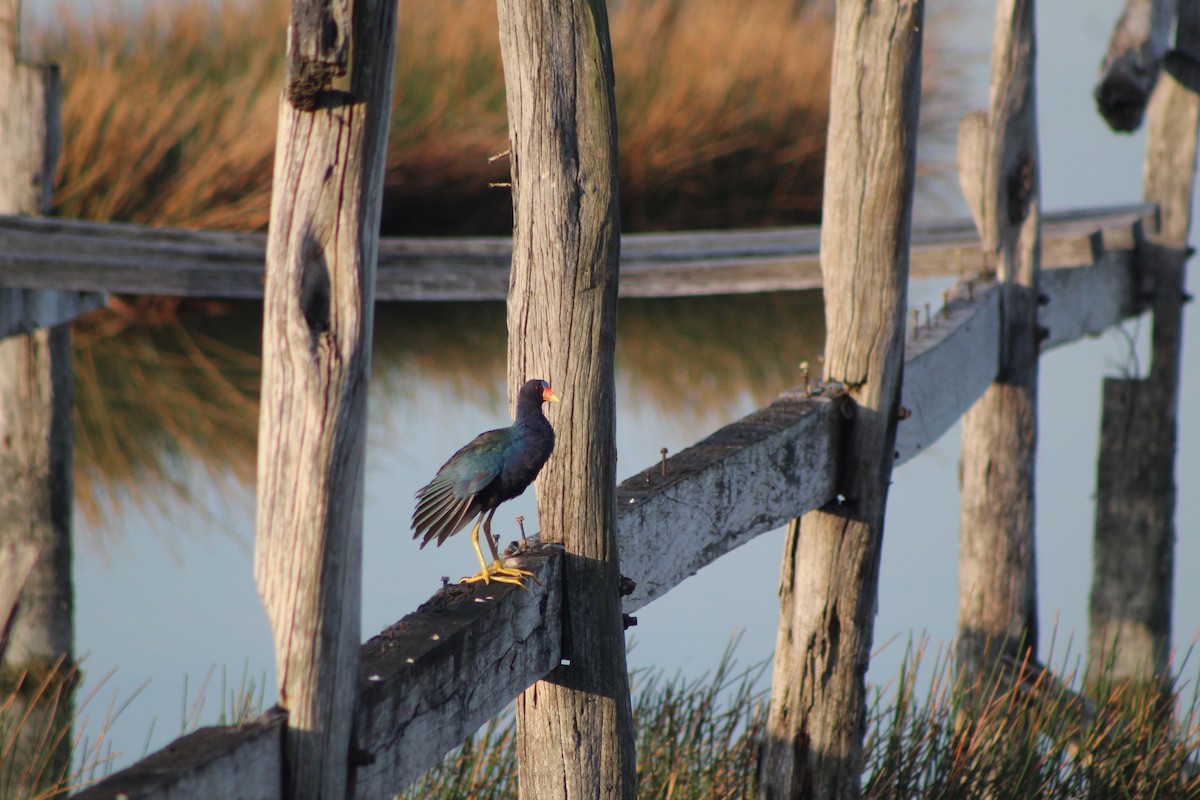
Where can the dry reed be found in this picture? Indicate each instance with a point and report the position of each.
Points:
(169, 113)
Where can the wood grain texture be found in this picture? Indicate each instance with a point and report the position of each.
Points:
(574, 729)
(1131, 606)
(829, 582)
(997, 583)
(36, 432)
(16, 562)
(318, 314)
(1132, 62)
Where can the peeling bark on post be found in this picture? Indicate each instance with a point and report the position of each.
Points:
(575, 728)
(318, 313)
(997, 587)
(1129, 624)
(829, 582)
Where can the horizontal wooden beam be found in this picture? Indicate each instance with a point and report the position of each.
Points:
(430, 680)
(434, 677)
(243, 762)
(745, 479)
(48, 253)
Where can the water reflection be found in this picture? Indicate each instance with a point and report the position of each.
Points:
(165, 387)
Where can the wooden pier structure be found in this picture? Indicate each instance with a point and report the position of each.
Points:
(366, 720)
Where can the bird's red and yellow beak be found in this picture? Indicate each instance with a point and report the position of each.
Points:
(548, 396)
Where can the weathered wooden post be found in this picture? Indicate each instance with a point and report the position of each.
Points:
(576, 726)
(35, 427)
(998, 166)
(318, 313)
(829, 584)
(1131, 65)
(1129, 636)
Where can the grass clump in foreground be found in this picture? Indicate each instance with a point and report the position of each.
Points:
(699, 739)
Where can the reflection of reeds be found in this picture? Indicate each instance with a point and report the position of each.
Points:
(152, 401)
(159, 390)
(696, 358)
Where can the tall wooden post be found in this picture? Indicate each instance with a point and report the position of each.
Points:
(829, 588)
(575, 727)
(998, 163)
(1129, 624)
(35, 427)
(318, 314)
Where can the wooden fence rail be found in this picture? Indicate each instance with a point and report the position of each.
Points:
(42, 253)
(433, 677)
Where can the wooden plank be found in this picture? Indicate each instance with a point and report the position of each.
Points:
(947, 366)
(1086, 301)
(426, 683)
(671, 526)
(243, 762)
(434, 677)
(46, 254)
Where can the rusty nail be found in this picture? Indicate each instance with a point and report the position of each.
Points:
(916, 321)
(903, 413)
(946, 302)
(663, 451)
(928, 317)
(804, 375)
(628, 621)
(521, 525)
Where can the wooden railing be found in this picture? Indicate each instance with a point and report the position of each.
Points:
(432, 678)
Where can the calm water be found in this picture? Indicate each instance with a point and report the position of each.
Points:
(165, 591)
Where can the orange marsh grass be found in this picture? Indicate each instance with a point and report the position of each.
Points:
(169, 112)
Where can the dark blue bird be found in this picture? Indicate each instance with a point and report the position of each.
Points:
(496, 466)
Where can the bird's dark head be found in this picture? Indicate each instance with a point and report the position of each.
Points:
(537, 391)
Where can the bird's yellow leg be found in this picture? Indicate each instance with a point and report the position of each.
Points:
(484, 574)
(499, 571)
